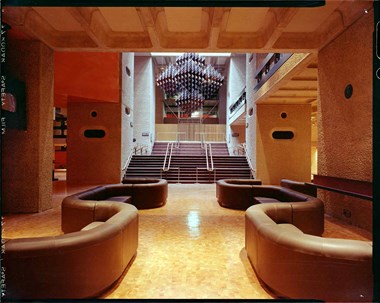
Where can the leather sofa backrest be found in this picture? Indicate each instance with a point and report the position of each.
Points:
(243, 181)
(301, 187)
(238, 194)
(140, 180)
(298, 265)
(77, 211)
(79, 264)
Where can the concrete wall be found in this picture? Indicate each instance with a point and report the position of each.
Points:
(222, 107)
(278, 158)
(93, 160)
(345, 125)
(126, 111)
(235, 85)
(27, 155)
(159, 105)
(144, 101)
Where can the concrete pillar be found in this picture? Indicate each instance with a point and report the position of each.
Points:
(236, 83)
(251, 117)
(93, 160)
(222, 107)
(278, 159)
(127, 112)
(27, 155)
(144, 101)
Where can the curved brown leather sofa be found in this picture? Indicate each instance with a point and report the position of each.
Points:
(140, 192)
(241, 194)
(294, 262)
(79, 264)
(148, 192)
(235, 193)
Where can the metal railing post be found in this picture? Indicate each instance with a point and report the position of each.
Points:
(249, 161)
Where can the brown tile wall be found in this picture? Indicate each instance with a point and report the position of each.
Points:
(345, 125)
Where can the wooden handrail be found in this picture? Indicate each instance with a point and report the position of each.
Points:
(355, 188)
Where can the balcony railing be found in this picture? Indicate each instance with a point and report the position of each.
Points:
(269, 66)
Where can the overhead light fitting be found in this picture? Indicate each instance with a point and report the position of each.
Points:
(190, 81)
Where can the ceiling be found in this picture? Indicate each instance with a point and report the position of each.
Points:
(207, 29)
(196, 29)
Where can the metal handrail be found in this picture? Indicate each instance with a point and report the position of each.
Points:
(211, 159)
(177, 141)
(170, 156)
(202, 139)
(125, 167)
(166, 155)
(253, 171)
(140, 148)
(220, 168)
(203, 168)
(178, 173)
(207, 165)
(236, 149)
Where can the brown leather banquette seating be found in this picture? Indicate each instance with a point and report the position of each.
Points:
(241, 194)
(284, 246)
(88, 259)
(235, 193)
(100, 240)
(143, 193)
(146, 192)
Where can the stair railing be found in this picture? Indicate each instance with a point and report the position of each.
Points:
(131, 153)
(253, 171)
(170, 157)
(169, 151)
(211, 159)
(202, 137)
(166, 156)
(206, 151)
(177, 141)
(197, 169)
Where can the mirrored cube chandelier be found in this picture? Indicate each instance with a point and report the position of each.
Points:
(190, 81)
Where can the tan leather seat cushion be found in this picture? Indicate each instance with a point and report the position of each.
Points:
(260, 200)
(125, 199)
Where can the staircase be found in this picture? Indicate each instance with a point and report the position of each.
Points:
(188, 164)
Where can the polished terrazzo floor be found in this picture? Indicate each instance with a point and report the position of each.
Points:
(190, 248)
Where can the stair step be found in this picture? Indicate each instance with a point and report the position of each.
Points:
(190, 163)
